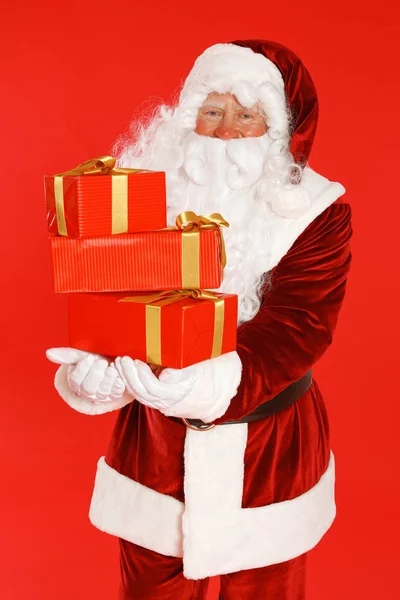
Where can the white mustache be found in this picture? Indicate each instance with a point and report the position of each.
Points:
(247, 162)
(237, 162)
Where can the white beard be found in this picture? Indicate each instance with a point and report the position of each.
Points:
(218, 176)
(243, 179)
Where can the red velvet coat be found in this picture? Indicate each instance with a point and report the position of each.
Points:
(287, 453)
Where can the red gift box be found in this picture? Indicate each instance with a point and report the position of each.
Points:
(96, 199)
(173, 330)
(155, 260)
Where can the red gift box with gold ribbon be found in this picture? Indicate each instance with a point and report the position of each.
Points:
(173, 329)
(98, 199)
(190, 255)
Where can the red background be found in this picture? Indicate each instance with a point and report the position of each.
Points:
(74, 75)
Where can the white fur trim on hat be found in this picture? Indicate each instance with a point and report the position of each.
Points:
(250, 76)
(222, 66)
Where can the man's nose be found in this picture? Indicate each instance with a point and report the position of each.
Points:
(227, 129)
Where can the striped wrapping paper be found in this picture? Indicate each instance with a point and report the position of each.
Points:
(148, 261)
(90, 208)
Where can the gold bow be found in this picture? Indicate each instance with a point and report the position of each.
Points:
(103, 165)
(154, 303)
(190, 224)
(189, 220)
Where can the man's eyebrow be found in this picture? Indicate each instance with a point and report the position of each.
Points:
(220, 106)
(214, 104)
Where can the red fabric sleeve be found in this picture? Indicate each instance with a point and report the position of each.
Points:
(296, 321)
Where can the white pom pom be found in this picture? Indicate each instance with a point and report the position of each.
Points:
(290, 201)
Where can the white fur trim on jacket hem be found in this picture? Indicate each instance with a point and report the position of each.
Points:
(129, 510)
(84, 405)
(222, 537)
(213, 539)
(216, 383)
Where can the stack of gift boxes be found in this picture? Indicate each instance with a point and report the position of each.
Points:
(137, 287)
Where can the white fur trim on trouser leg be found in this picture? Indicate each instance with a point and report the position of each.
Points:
(221, 537)
(216, 383)
(138, 514)
(84, 405)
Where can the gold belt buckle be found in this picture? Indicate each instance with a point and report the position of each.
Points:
(204, 427)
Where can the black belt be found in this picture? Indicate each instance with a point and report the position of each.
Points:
(283, 400)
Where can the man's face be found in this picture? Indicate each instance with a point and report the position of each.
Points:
(222, 116)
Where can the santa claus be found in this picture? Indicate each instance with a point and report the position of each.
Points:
(243, 487)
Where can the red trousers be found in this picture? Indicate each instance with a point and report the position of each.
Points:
(147, 575)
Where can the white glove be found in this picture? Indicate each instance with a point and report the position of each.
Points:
(88, 382)
(201, 391)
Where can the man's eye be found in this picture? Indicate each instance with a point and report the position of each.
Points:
(246, 116)
(212, 113)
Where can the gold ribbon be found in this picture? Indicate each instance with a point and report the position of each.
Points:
(155, 302)
(190, 224)
(103, 165)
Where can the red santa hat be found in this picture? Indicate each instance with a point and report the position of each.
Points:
(259, 71)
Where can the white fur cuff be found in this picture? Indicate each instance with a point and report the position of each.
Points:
(84, 405)
(216, 383)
